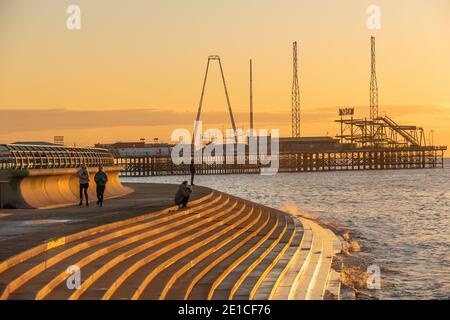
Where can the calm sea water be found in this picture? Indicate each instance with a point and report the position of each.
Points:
(401, 218)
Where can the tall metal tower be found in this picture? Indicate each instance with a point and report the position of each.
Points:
(251, 95)
(295, 96)
(373, 85)
(230, 111)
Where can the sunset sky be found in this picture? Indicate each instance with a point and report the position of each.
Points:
(136, 67)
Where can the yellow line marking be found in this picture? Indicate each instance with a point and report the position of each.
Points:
(224, 256)
(256, 262)
(239, 260)
(204, 255)
(23, 256)
(272, 264)
(56, 243)
(105, 250)
(288, 266)
(122, 257)
(42, 266)
(191, 249)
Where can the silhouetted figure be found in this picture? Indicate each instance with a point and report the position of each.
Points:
(83, 175)
(182, 195)
(100, 179)
(192, 170)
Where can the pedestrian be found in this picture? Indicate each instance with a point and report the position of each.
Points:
(192, 170)
(83, 176)
(182, 195)
(100, 179)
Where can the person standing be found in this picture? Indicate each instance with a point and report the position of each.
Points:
(83, 176)
(100, 179)
(192, 170)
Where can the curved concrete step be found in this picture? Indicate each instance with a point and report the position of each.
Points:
(159, 260)
(221, 247)
(288, 282)
(92, 273)
(52, 244)
(205, 287)
(312, 264)
(273, 279)
(152, 287)
(163, 258)
(243, 286)
(329, 247)
(333, 285)
(188, 285)
(222, 287)
(309, 274)
(202, 257)
(260, 268)
(25, 271)
(163, 277)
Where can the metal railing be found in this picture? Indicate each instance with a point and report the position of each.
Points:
(49, 156)
(2, 184)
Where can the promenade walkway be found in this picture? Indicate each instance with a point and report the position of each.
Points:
(139, 247)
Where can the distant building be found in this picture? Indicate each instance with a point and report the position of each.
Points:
(312, 144)
(37, 143)
(137, 149)
(286, 145)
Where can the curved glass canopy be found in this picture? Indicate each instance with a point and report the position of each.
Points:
(50, 156)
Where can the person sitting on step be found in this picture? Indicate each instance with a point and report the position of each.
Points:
(182, 195)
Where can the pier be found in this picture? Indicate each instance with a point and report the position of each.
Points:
(316, 161)
(374, 143)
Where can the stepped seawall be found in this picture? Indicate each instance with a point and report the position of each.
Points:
(141, 247)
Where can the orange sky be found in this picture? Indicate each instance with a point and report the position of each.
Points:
(136, 67)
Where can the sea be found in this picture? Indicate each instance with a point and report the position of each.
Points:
(401, 218)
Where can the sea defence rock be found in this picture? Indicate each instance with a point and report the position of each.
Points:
(46, 188)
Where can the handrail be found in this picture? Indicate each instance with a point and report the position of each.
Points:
(394, 126)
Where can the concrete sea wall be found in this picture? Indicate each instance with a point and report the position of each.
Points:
(46, 188)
